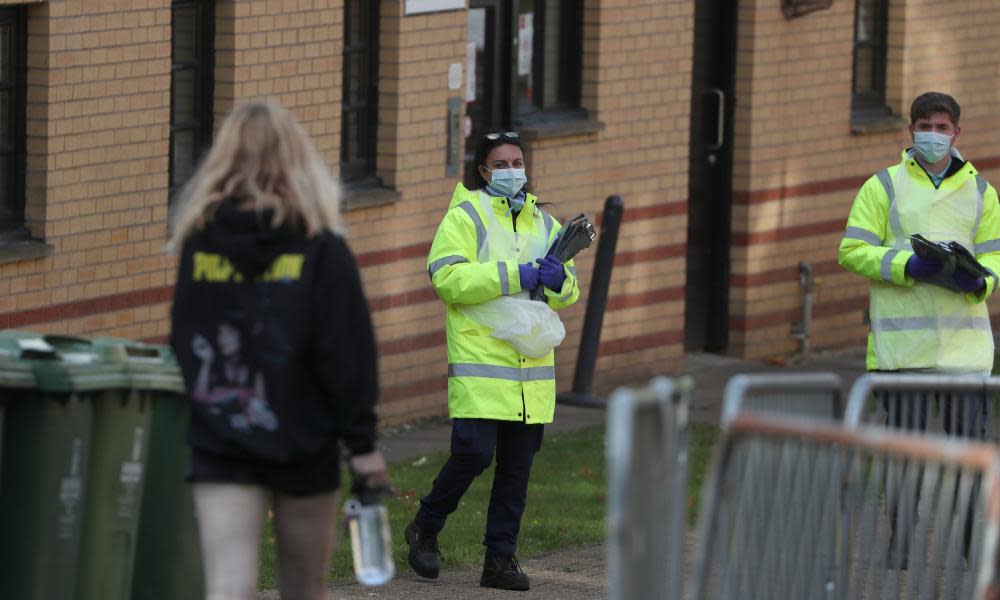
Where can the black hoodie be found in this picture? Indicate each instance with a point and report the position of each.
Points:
(274, 340)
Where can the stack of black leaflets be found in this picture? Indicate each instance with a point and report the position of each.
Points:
(578, 233)
(952, 255)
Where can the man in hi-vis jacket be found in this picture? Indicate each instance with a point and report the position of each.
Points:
(925, 316)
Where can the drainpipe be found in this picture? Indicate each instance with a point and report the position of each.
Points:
(802, 328)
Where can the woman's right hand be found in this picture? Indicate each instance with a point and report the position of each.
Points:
(529, 277)
(370, 466)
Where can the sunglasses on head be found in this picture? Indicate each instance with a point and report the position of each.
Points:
(510, 135)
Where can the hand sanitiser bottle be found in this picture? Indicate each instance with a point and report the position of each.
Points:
(371, 543)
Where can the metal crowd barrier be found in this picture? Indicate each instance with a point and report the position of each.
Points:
(800, 508)
(956, 405)
(647, 452)
(806, 394)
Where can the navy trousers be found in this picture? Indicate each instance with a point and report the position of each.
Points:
(473, 443)
(962, 417)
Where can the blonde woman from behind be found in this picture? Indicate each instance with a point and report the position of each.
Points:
(272, 332)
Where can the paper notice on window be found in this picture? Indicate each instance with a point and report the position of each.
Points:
(470, 72)
(525, 42)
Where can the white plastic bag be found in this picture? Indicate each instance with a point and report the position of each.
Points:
(530, 326)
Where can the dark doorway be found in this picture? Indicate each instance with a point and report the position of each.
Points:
(486, 102)
(710, 176)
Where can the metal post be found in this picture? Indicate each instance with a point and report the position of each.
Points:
(590, 340)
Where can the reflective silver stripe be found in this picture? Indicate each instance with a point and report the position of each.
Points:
(506, 373)
(887, 264)
(504, 283)
(886, 179)
(988, 246)
(914, 323)
(894, 223)
(444, 262)
(566, 296)
(981, 186)
(996, 280)
(480, 229)
(857, 233)
(573, 271)
(548, 225)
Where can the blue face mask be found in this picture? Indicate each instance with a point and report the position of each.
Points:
(508, 181)
(931, 145)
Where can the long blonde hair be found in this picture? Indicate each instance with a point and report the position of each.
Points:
(264, 159)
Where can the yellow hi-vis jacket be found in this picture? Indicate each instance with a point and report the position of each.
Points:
(487, 377)
(916, 325)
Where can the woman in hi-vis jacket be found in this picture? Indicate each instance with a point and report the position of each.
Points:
(491, 243)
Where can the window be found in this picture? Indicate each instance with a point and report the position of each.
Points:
(870, 49)
(192, 53)
(547, 65)
(13, 71)
(360, 94)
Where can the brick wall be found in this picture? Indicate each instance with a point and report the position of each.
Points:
(98, 102)
(98, 161)
(798, 166)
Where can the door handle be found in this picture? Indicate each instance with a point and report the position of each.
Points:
(721, 127)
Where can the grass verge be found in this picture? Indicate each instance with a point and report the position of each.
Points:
(566, 497)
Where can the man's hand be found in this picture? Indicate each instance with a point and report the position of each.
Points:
(921, 268)
(968, 283)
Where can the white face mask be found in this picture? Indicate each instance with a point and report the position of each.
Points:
(931, 145)
(508, 181)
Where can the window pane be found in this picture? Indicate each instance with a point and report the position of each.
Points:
(356, 26)
(183, 154)
(5, 124)
(6, 49)
(355, 83)
(190, 86)
(524, 96)
(352, 137)
(185, 28)
(358, 112)
(865, 21)
(183, 96)
(9, 213)
(12, 118)
(869, 54)
(552, 46)
(863, 76)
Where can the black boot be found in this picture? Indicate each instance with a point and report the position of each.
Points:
(503, 572)
(424, 557)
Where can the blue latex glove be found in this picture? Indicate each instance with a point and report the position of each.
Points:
(968, 283)
(529, 277)
(921, 268)
(553, 274)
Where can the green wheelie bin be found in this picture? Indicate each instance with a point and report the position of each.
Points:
(16, 378)
(119, 445)
(44, 472)
(168, 554)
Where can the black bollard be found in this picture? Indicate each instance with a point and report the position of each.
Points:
(590, 340)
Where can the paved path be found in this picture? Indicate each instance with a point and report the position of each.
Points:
(578, 573)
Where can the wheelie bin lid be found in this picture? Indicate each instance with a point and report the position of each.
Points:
(61, 363)
(15, 372)
(147, 366)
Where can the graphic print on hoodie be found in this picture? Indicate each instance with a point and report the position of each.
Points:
(229, 382)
